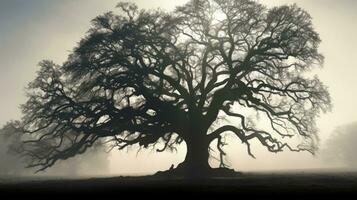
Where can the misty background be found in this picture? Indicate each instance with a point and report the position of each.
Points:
(33, 30)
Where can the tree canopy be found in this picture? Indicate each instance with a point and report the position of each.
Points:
(153, 77)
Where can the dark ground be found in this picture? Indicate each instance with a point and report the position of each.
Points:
(284, 185)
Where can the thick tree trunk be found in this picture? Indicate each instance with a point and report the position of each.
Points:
(196, 160)
(196, 165)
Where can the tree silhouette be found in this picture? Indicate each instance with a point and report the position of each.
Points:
(152, 77)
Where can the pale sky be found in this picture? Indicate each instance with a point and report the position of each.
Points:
(32, 30)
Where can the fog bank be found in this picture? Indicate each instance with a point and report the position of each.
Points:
(94, 162)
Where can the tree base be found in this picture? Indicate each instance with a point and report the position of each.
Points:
(183, 172)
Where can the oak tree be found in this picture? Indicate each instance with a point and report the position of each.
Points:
(151, 77)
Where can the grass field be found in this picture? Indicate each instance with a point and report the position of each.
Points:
(301, 184)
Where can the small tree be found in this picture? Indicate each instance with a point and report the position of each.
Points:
(147, 77)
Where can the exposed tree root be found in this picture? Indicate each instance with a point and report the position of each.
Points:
(191, 173)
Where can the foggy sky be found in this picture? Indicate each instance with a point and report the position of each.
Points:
(32, 30)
